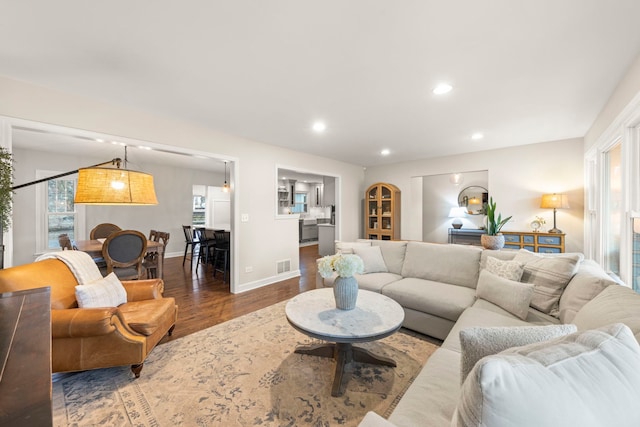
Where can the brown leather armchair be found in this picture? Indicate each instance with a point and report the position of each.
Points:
(91, 338)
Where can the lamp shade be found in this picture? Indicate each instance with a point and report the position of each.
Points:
(108, 186)
(554, 201)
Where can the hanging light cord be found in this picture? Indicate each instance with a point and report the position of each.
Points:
(115, 162)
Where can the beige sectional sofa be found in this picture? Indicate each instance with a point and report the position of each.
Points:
(445, 289)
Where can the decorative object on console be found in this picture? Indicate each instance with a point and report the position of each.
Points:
(457, 213)
(554, 201)
(474, 199)
(345, 287)
(493, 239)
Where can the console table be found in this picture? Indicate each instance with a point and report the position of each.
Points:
(465, 236)
(25, 358)
(550, 243)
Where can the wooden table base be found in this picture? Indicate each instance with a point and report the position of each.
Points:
(344, 354)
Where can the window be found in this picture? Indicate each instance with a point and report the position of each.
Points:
(300, 203)
(199, 211)
(613, 208)
(56, 213)
(61, 212)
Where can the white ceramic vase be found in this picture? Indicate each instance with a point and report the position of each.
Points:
(345, 291)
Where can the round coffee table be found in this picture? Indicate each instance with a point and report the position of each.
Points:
(314, 313)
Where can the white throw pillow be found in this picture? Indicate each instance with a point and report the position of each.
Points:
(372, 259)
(510, 295)
(105, 292)
(511, 270)
(347, 247)
(586, 379)
(550, 273)
(479, 342)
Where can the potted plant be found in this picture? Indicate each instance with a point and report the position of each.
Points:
(493, 239)
(6, 195)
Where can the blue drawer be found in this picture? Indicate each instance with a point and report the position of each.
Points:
(513, 238)
(548, 240)
(529, 248)
(544, 250)
(528, 239)
(507, 246)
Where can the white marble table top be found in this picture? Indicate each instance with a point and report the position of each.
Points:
(315, 314)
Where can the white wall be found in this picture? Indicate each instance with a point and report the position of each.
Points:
(518, 176)
(262, 240)
(173, 189)
(625, 92)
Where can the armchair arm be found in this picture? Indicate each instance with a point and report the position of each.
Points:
(141, 290)
(83, 322)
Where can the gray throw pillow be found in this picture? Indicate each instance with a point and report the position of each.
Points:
(477, 342)
(509, 295)
(550, 274)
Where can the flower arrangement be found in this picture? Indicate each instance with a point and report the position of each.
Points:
(346, 265)
(541, 220)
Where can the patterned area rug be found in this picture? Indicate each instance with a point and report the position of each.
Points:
(240, 373)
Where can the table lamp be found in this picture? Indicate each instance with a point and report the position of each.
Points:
(555, 201)
(456, 213)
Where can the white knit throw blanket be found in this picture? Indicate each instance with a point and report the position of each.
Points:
(80, 263)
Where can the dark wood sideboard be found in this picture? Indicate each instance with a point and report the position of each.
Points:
(25, 358)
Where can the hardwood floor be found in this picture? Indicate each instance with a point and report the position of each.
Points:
(204, 301)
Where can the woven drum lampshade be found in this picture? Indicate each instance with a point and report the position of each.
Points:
(109, 186)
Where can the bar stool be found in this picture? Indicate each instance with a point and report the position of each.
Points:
(221, 250)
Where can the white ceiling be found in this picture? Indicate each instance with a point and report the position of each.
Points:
(523, 71)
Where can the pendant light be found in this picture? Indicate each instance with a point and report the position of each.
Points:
(225, 187)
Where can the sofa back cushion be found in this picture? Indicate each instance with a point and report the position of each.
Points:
(588, 282)
(393, 252)
(504, 255)
(616, 303)
(567, 381)
(454, 264)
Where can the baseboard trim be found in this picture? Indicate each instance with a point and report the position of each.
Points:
(266, 281)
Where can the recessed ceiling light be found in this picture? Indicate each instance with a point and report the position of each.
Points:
(476, 136)
(319, 127)
(385, 152)
(442, 88)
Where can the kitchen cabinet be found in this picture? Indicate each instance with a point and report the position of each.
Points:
(382, 212)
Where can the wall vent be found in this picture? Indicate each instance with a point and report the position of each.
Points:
(283, 266)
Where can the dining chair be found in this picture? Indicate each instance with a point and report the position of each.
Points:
(152, 259)
(124, 253)
(102, 231)
(190, 241)
(221, 251)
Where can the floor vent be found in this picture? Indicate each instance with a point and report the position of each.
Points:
(284, 266)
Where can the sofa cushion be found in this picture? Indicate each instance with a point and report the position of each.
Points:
(371, 259)
(146, 316)
(455, 264)
(105, 292)
(534, 316)
(371, 282)
(508, 294)
(475, 316)
(588, 282)
(478, 342)
(614, 304)
(440, 299)
(550, 274)
(347, 247)
(431, 398)
(393, 252)
(585, 379)
(511, 270)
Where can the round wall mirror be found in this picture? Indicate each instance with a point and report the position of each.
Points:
(474, 199)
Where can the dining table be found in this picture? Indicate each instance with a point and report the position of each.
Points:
(94, 248)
